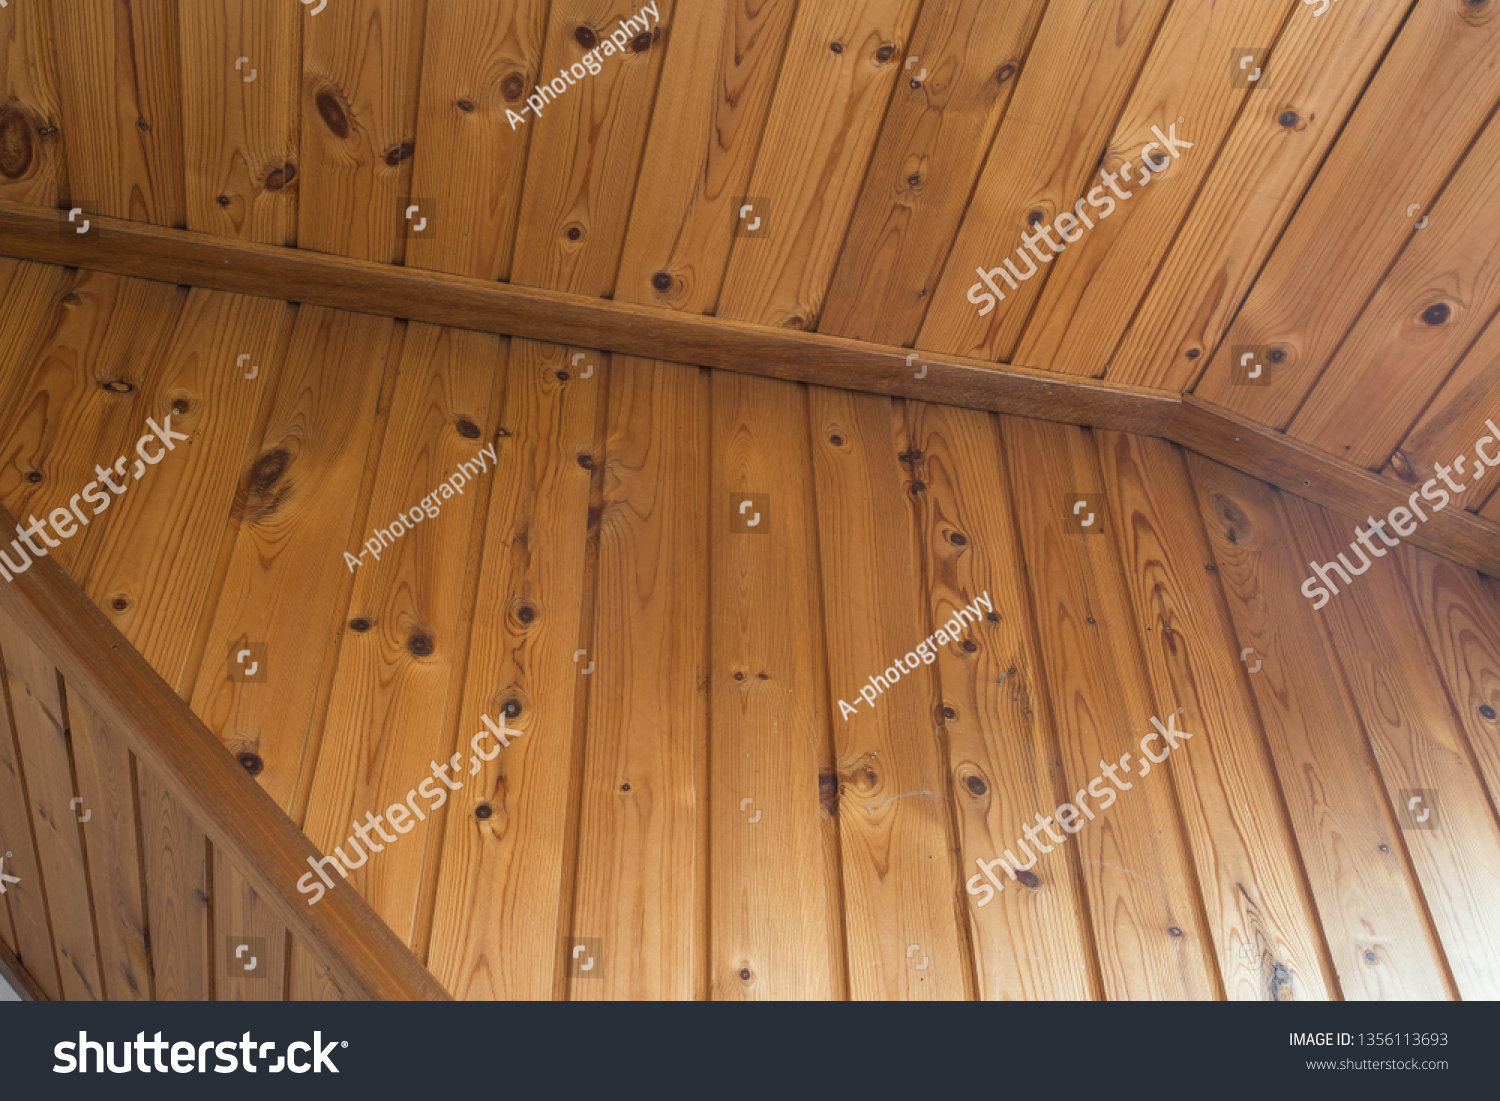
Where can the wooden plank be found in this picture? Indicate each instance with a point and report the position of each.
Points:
(775, 928)
(1370, 908)
(1031, 942)
(586, 149)
(393, 706)
(643, 836)
(588, 322)
(711, 110)
(174, 860)
(31, 164)
(1046, 154)
(241, 61)
(1327, 480)
(1149, 928)
(242, 919)
(1077, 316)
(932, 146)
(1352, 222)
(102, 765)
(477, 60)
(498, 927)
(26, 289)
(1319, 67)
(840, 65)
(36, 707)
(117, 63)
(1264, 926)
(359, 112)
(27, 899)
(1426, 312)
(1398, 688)
(26, 988)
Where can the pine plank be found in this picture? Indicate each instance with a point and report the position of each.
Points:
(1369, 905)
(359, 111)
(1398, 689)
(1075, 318)
(175, 860)
(240, 915)
(1045, 155)
(586, 151)
(840, 66)
(478, 58)
(31, 155)
(1147, 919)
(1319, 68)
(1351, 222)
(239, 124)
(932, 146)
(102, 764)
(498, 927)
(711, 109)
(774, 882)
(117, 63)
(393, 705)
(1029, 942)
(26, 290)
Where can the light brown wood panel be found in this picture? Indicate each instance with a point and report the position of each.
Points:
(1092, 288)
(394, 705)
(31, 153)
(241, 69)
(7, 932)
(1397, 149)
(479, 62)
(1425, 314)
(1031, 941)
(117, 64)
(1318, 68)
(1419, 749)
(1263, 923)
(1045, 156)
(641, 881)
(244, 922)
(1145, 912)
(498, 927)
(775, 919)
(358, 123)
(27, 899)
(943, 114)
(1369, 905)
(175, 860)
(840, 65)
(26, 291)
(101, 763)
(711, 109)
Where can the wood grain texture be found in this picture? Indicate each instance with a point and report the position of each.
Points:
(1351, 222)
(175, 862)
(240, 917)
(710, 120)
(1043, 159)
(1419, 748)
(118, 67)
(1263, 923)
(26, 289)
(840, 66)
(358, 124)
(241, 67)
(26, 988)
(1148, 924)
(479, 58)
(1031, 941)
(31, 154)
(931, 148)
(1369, 904)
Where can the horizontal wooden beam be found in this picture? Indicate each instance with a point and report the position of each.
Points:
(366, 959)
(1327, 480)
(289, 274)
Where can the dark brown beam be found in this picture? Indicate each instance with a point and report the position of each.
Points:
(269, 271)
(367, 961)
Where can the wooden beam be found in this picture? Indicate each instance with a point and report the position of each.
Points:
(242, 267)
(366, 959)
(1324, 479)
(19, 978)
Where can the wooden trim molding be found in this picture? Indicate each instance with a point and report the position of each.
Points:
(18, 977)
(366, 959)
